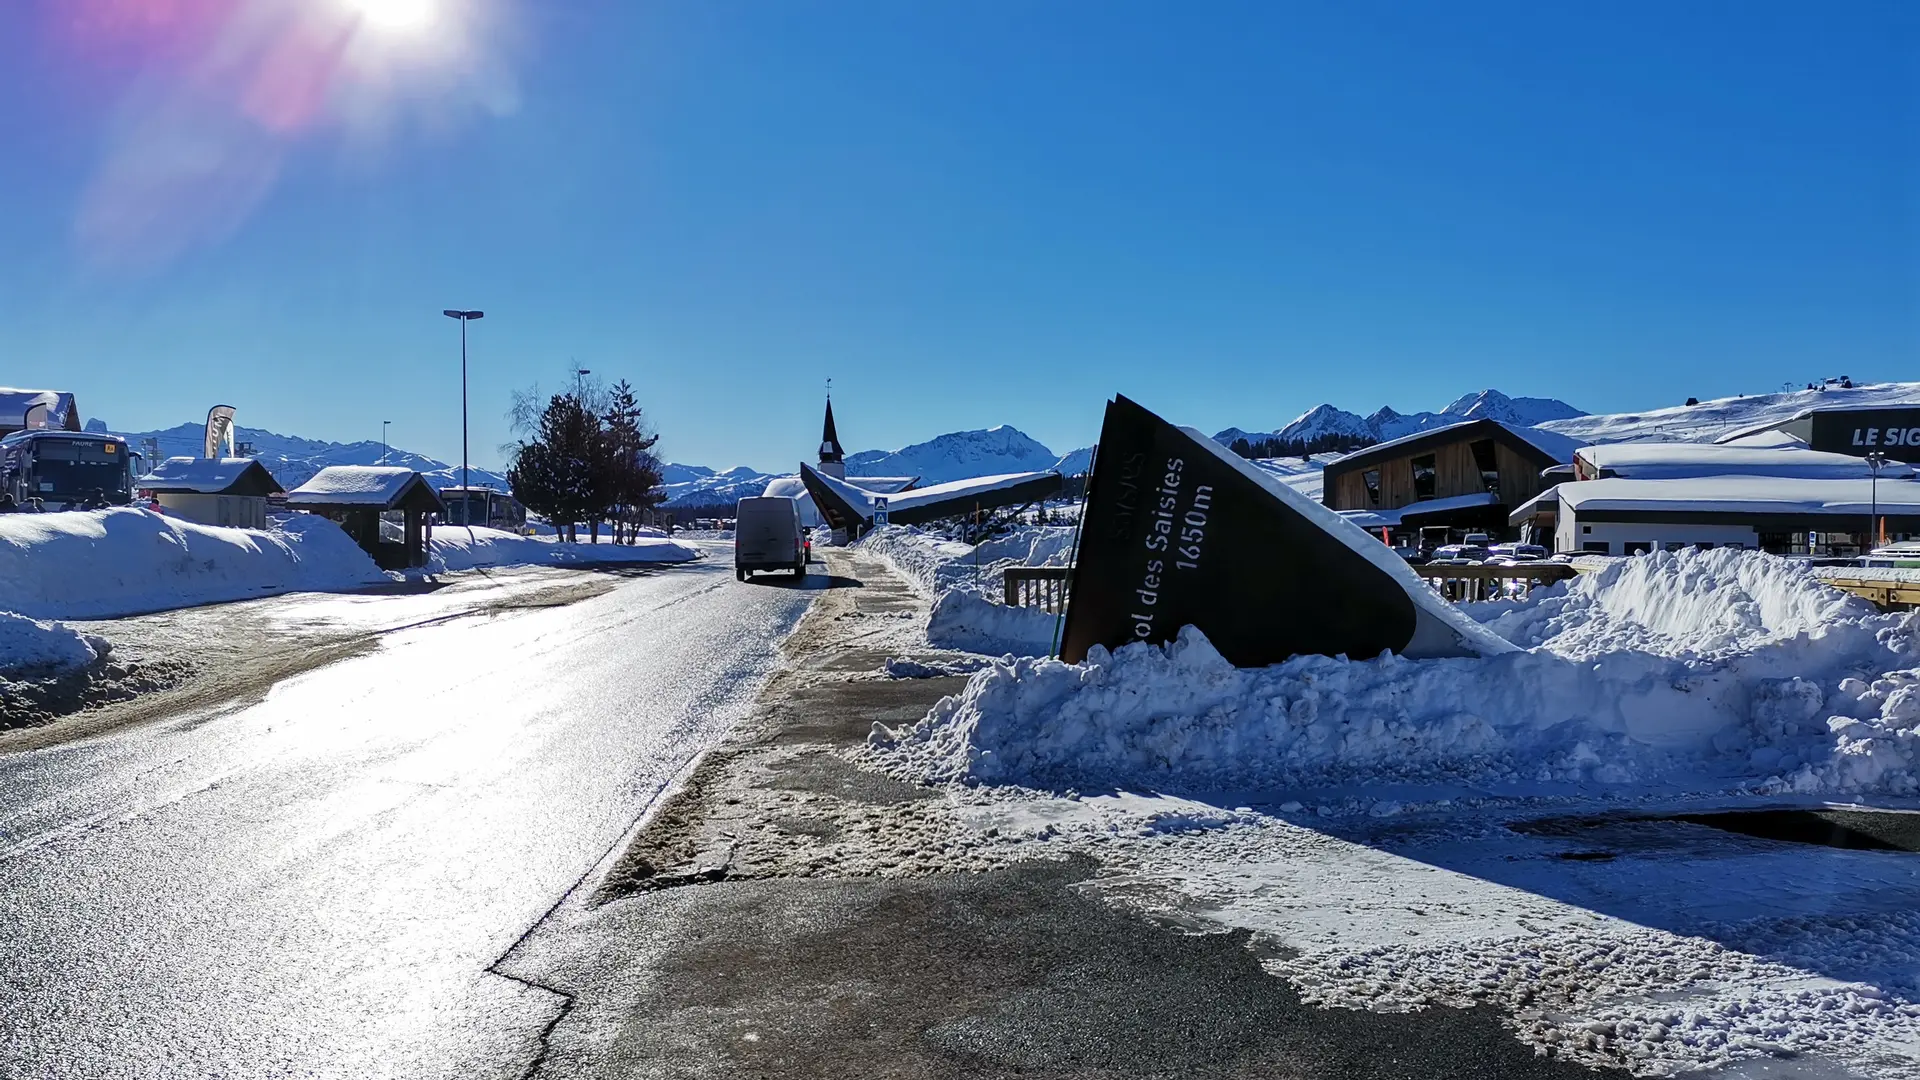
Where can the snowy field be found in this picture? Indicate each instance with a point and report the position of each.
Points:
(1382, 818)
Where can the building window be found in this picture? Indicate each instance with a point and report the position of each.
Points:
(1599, 547)
(1638, 547)
(1423, 477)
(1372, 479)
(1488, 464)
(1674, 545)
(1585, 529)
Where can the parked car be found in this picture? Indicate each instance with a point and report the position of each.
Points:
(1457, 555)
(1518, 552)
(768, 537)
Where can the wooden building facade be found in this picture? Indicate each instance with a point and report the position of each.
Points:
(1476, 470)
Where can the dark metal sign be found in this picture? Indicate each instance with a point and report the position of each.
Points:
(1177, 532)
(1893, 432)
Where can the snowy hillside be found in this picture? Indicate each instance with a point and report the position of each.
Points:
(959, 455)
(697, 485)
(1711, 419)
(1325, 420)
(1322, 420)
(293, 460)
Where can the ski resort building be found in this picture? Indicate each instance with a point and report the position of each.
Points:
(1785, 515)
(1857, 430)
(1467, 476)
(213, 491)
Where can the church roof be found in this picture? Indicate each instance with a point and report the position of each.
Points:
(830, 451)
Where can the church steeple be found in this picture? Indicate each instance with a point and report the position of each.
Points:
(832, 458)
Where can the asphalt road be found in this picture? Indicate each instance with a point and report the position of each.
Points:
(317, 885)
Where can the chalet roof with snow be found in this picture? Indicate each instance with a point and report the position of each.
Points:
(1674, 461)
(1780, 497)
(366, 487)
(210, 476)
(16, 405)
(1547, 447)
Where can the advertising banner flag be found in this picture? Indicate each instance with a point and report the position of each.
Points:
(218, 442)
(1180, 531)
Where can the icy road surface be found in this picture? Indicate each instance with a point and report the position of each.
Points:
(316, 885)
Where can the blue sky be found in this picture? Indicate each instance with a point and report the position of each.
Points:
(966, 214)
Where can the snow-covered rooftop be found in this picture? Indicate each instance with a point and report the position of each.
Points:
(1553, 444)
(354, 485)
(1671, 460)
(959, 488)
(15, 404)
(1744, 495)
(206, 476)
(1374, 519)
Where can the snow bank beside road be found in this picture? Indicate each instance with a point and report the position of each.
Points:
(965, 584)
(1699, 671)
(45, 647)
(455, 548)
(103, 564)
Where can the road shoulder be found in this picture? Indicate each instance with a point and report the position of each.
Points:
(785, 912)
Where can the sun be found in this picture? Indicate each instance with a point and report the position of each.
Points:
(396, 15)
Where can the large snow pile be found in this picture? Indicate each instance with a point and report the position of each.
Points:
(455, 547)
(30, 646)
(965, 582)
(1696, 671)
(102, 564)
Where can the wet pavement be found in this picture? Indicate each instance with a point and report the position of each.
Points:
(318, 884)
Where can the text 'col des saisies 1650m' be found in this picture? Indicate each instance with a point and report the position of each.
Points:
(1180, 531)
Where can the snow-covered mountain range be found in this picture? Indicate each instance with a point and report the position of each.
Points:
(958, 455)
(965, 454)
(1385, 423)
(293, 460)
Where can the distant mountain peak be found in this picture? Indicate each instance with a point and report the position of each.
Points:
(1327, 421)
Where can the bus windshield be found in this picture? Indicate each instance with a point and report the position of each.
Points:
(66, 470)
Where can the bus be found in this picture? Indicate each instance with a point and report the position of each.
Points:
(66, 470)
(483, 506)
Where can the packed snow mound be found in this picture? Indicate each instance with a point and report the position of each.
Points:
(1680, 603)
(1790, 690)
(455, 547)
(972, 623)
(938, 566)
(104, 564)
(31, 647)
(964, 581)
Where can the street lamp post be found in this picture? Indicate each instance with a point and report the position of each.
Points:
(383, 441)
(1875, 462)
(464, 317)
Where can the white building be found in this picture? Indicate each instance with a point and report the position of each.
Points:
(213, 491)
(1784, 515)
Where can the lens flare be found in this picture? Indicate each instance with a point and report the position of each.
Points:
(216, 96)
(395, 15)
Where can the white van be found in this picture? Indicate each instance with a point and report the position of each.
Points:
(767, 536)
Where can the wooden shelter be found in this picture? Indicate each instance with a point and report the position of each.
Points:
(363, 498)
